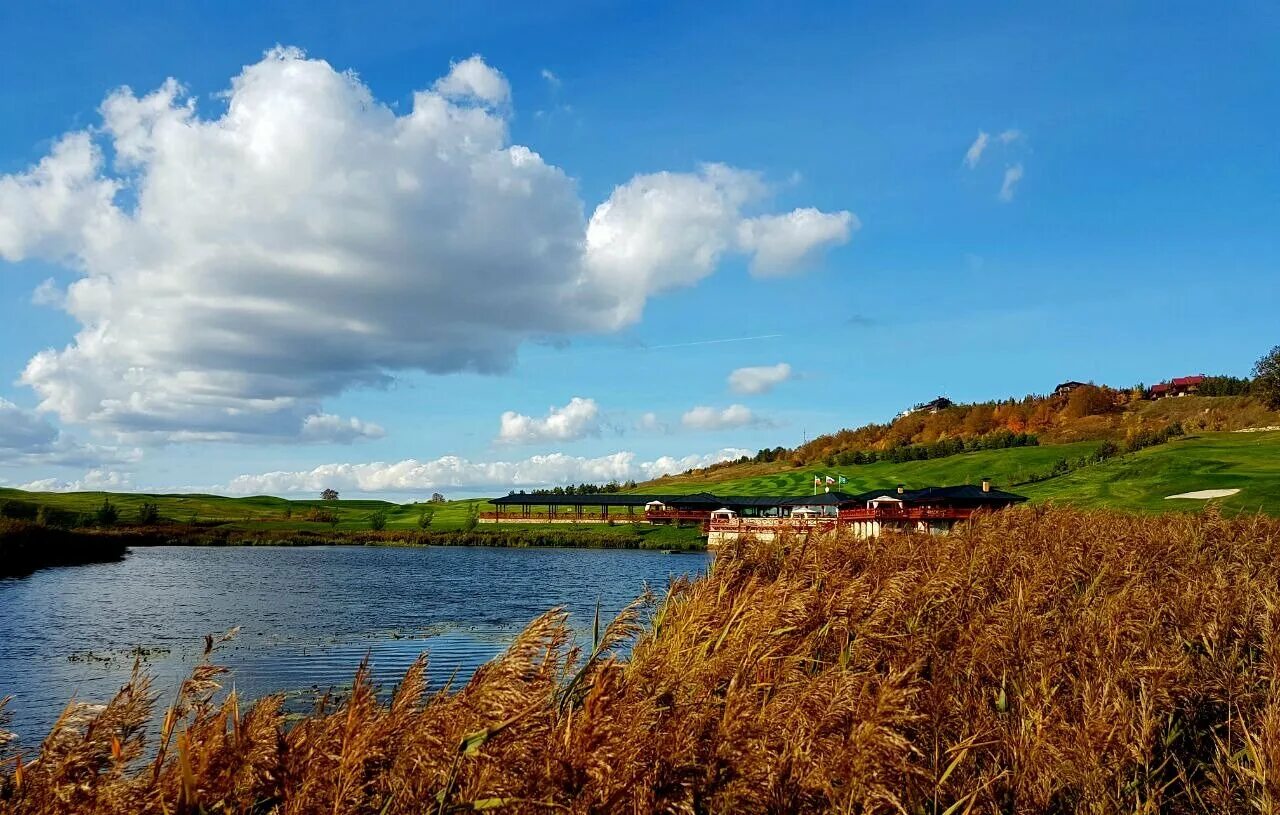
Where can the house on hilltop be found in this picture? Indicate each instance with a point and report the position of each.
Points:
(936, 406)
(1178, 386)
(1066, 388)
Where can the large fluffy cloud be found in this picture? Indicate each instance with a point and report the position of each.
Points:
(239, 268)
(452, 472)
(576, 420)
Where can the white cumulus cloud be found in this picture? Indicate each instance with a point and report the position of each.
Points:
(703, 417)
(93, 480)
(473, 80)
(759, 379)
(576, 420)
(650, 423)
(452, 472)
(238, 268)
(780, 244)
(328, 428)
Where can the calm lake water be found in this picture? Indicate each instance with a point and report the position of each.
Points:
(307, 615)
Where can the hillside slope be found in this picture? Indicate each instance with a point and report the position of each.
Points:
(1138, 481)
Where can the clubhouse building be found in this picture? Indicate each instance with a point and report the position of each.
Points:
(725, 518)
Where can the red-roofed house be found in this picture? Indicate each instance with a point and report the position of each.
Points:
(1178, 386)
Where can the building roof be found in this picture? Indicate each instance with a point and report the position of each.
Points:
(1184, 381)
(611, 499)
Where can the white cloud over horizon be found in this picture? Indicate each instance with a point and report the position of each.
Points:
(237, 270)
(93, 480)
(454, 472)
(576, 420)
(759, 378)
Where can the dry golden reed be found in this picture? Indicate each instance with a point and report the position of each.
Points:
(1040, 660)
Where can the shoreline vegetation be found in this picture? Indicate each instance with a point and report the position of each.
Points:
(1040, 659)
(27, 546)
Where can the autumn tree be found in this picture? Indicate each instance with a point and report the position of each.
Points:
(1266, 378)
(1089, 400)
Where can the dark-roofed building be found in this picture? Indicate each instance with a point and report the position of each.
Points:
(936, 406)
(1066, 388)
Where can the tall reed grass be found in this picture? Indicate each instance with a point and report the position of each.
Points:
(1040, 660)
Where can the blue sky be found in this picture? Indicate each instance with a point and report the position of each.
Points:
(289, 297)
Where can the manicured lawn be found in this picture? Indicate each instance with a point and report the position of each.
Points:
(1005, 467)
(1249, 462)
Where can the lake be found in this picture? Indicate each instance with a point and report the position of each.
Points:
(308, 615)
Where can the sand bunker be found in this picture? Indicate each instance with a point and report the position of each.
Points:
(1203, 494)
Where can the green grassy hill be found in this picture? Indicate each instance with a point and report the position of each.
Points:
(1139, 481)
(252, 512)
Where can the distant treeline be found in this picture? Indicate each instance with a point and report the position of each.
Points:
(1225, 386)
(581, 489)
(1000, 440)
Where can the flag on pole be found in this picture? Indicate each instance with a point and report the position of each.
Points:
(817, 479)
(843, 480)
(830, 480)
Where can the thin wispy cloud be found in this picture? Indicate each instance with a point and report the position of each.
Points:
(1012, 175)
(550, 77)
(1007, 141)
(714, 342)
(974, 154)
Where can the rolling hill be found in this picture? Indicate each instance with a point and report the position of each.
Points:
(1137, 481)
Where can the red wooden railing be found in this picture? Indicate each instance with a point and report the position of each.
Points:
(676, 515)
(563, 515)
(905, 514)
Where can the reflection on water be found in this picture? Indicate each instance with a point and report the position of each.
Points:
(307, 615)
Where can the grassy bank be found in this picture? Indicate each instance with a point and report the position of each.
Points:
(1042, 660)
